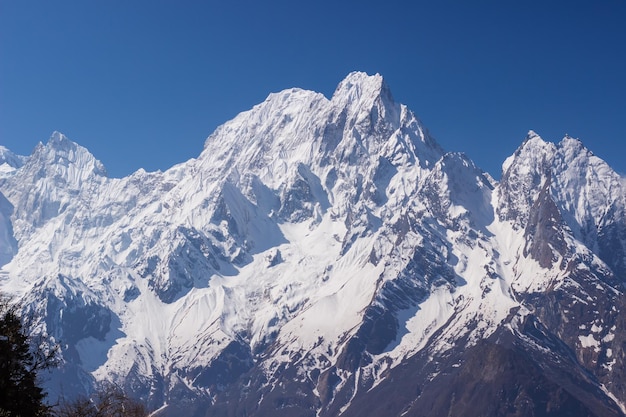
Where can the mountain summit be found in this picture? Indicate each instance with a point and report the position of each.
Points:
(327, 257)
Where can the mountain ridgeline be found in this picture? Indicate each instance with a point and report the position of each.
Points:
(326, 257)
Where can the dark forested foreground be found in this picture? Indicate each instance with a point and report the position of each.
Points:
(23, 358)
(20, 394)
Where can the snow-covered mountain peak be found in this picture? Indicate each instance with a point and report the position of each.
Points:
(531, 158)
(66, 159)
(531, 135)
(370, 122)
(524, 174)
(567, 184)
(268, 139)
(358, 85)
(52, 177)
(360, 124)
(58, 138)
(362, 95)
(536, 155)
(573, 145)
(10, 158)
(534, 143)
(65, 163)
(9, 162)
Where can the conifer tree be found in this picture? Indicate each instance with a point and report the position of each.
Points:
(20, 394)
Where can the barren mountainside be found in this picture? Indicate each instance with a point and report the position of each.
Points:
(325, 257)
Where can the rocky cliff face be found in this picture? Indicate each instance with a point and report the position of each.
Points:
(326, 257)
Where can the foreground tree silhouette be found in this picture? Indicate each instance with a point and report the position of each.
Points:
(20, 395)
(108, 401)
(23, 356)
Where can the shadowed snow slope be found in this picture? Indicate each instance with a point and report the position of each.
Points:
(324, 257)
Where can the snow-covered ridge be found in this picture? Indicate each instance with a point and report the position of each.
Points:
(330, 238)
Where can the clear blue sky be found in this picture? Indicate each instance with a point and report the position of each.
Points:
(143, 83)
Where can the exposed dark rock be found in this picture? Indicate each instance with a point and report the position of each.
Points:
(232, 362)
(490, 379)
(544, 232)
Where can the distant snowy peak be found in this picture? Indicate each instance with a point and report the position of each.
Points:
(58, 151)
(63, 152)
(592, 199)
(64, 160)
(569, 184)
(574, 174)
(524, 173)
(55, 177)
(9, 161)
